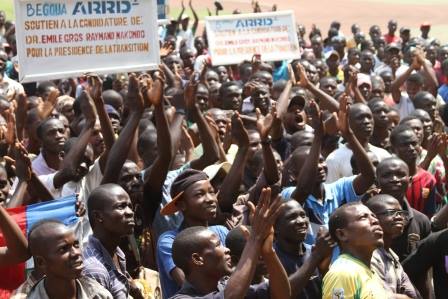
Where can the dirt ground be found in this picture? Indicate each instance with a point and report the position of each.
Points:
(364, 12)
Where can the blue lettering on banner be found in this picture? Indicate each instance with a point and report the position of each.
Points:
(103, 7)
(45, 9)
(254, 22)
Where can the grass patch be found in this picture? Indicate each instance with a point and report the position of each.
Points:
(8, 7)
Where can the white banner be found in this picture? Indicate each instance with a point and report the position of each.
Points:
(65, 38)
(234, 38)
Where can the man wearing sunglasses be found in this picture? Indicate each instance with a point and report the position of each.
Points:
(385, 263)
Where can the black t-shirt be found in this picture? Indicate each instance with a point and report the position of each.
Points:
(418, 228)
(431, 252)
(313, 288)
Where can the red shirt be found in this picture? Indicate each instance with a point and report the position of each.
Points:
(421, 193)
(391, 38)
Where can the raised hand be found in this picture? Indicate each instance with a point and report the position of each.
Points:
(324, 243)
(265, 215)
(87, 108)
(166, 49)
(190, 91)
(264, 123)
(303, 77)
(135, 99)
(22, 162)
(344, 109)
(152, 91)
(239, 133)
(291, 75)
(10, 134)
(95, 86)
(316, 117)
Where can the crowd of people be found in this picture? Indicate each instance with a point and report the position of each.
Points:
(321, 177)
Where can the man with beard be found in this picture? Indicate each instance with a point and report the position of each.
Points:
(357, 231)
(385, 262)
(318, 197)
(57, 253)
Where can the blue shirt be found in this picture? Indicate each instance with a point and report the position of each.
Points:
(165, 261)
(443, 92)
(336, 194)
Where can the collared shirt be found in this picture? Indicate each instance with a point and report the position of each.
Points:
(86, 288)
(98, 264)
(165, 261)
(23, 290)
(336, 194)
(259, 291)
(40, 166)
(348, 277)
(292, 263)
(387, 265)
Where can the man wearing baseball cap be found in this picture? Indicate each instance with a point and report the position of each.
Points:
(194, 197)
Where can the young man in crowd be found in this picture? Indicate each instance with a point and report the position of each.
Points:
(358, 233)
(205, 261)
(57, 253)
(385, 262)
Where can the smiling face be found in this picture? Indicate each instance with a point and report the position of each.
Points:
(391, 217)
(292, 224)
(199, 202)
(59, 255)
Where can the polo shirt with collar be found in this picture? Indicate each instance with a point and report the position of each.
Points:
(98, 264)
(336, 194)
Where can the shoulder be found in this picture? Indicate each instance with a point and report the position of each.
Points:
(93, 288)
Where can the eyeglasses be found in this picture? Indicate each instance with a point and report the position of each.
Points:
(395, 213)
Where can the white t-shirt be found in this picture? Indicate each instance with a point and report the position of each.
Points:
(405, 106)
(338, 162)
(83, 188)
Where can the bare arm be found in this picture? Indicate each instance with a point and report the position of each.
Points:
(306, 179)
(398, 82)
(325, 100)
(95, 90)
(120, 149)
(264, 126)
(73, 158)
(230, 186)
(365, 179)
(16, 249)
(196, 19)
(264, 217)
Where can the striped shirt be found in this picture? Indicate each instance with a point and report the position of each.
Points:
(98, 264)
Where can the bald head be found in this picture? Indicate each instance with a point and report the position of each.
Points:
(113, 98)
(44, 234)
(101, 197)
(379, 202)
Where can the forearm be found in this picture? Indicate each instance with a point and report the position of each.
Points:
(326, 100)
(307, 176)
(359, 98)
(164, 143)
(230, 186)
(398, 82)
(430, 79)
(426, 162)
(362, 160)
(73, 157)
(105, 123)
(170, 79)
(241, 278)
(300, 278)
(17, 245)
(279, 286)
(211, 152)
(283, 100)
(270, 169)
(119, 152)
(38, 190)
(19, 194)
(176, 133)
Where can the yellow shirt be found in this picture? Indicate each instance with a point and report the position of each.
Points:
(349, 278)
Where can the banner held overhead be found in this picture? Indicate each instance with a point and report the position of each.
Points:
(65, 38)
(234, 38)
